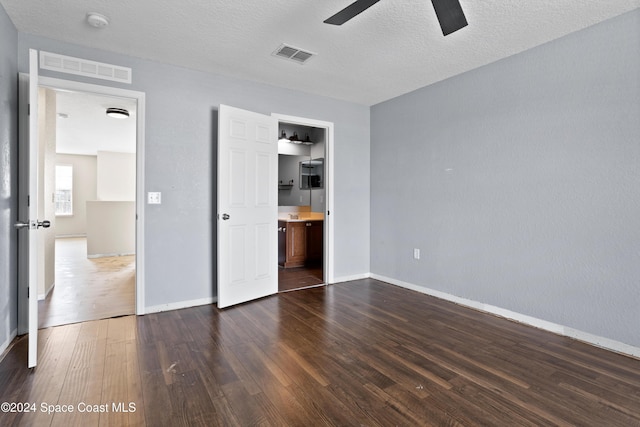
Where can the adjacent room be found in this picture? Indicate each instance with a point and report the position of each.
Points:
(88, 162)
(328, 213)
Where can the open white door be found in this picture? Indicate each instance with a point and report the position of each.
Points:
(28, 224)
(247, 206)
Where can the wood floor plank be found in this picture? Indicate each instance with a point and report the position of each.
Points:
(47, 378)
(85, 377)
(358, 353)
(135, 396)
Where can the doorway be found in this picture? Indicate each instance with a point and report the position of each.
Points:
(92, 185)
(302, 205)
(247, 193)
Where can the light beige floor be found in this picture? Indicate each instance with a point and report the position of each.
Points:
(87, 289)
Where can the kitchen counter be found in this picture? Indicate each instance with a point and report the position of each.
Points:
(302, 218)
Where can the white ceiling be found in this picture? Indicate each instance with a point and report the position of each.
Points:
(87, 129)
(393, 48)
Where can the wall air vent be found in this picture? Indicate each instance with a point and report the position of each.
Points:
(84, 67)
(293, 53)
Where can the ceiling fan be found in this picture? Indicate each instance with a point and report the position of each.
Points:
(449, 13)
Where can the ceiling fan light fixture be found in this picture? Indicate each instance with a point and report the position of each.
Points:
(117, 113)
(449, 14)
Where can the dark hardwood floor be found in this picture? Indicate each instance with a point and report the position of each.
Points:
(362, 353)
(299, 277)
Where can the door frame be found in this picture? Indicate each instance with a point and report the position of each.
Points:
(70, 85)
(327, 262)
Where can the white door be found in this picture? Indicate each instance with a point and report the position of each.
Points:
(28, 222)
(247, 206)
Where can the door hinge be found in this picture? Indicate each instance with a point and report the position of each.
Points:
(28, 109)
(28, 292)
(28, 201)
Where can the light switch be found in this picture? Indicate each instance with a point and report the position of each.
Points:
(154, 197)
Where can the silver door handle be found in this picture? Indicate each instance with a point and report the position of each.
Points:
(225, 216)
(33, 224)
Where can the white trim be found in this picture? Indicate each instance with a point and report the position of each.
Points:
(351, 278)
(5, 345)
(181, 304)
(329, 226)
(140, 164)
(566, 331)
(110, 255)
(46, 293)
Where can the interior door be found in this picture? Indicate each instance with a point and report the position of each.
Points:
(247, 206)
(28, 223)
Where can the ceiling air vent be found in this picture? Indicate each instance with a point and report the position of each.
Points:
(84, 67)
(293, 54)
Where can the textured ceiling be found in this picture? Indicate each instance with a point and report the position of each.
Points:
(86, 129)
(394, 47)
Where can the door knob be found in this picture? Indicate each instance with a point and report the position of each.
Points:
(33, 224)
(225, 216)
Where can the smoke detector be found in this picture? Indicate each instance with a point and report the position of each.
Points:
(97, 20)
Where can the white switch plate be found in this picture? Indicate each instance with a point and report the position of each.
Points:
(154, 197)
(416, 253)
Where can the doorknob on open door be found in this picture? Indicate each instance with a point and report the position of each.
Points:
(225, 216)
(33, 224)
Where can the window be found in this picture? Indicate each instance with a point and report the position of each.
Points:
(64, 190)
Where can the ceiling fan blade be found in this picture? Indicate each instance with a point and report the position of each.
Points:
(450, 15)
(350, 11)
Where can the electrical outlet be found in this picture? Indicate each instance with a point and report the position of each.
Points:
(416, 253)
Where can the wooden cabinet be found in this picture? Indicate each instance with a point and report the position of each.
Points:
(315, 239)
(300, 243)
(296, 244)
(282, 242)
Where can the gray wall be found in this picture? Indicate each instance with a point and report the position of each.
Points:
(8, 177)
(520, 183)
(180, 157)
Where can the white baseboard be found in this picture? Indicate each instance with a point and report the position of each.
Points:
(350, 278)
(47, 292)
(109, 255)
(592, 339)
(7, 342)
(179, 305)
